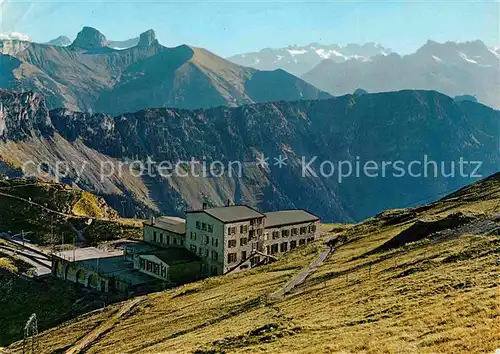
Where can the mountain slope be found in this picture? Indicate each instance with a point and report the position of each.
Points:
(104, 154)
(357, 301)
(451, 68)
(88, 75)
(300, 59)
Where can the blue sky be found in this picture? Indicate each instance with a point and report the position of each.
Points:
(231, 27)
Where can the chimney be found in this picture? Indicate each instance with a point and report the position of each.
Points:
(204, 206)
(228, 203)
(153, 220)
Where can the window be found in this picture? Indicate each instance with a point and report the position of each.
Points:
(243, 229)
(161, 238)
(302, 241)
(294, 231)
(231, 230)
(231, 243)
(284, 247)
(255, 260)
(204, 226)
(207, 240)
(206, 253)
(200, 251)
(214, 271)
(293, 245)
(198, 225)
(192, 248)
(215, 242)
(251, 233)
(168, 239)
(276, 235)
(143, 263)
(266, 236)
(154, 236)
(163, 271)
(210, 228)
(285, 233)
(231, 257)
(259, 232)
(157, 269)
(193, 236)
(182, 242)
(252, 222)
(303, 230)
(243, 241)
(312, 228)
(259, 221)
(243, 255)
(274, 248)
(215, 255)
(175, 240)
(268, 249)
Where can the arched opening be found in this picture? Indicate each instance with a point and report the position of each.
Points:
(80, 277)
(70, 272)
(93, 280)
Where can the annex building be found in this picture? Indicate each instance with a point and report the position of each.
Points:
(174, 251)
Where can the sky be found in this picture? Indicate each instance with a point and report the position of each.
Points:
(233, 27)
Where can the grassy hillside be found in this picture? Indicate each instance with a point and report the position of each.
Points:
(436, 291)
(51, 211)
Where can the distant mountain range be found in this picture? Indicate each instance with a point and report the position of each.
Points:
(63, 41)
(455, 69)
(89, 75)
(300, 59)
(394, 126)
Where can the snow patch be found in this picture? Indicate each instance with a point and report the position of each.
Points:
(294, 52)
(464, 57)
(327, 55)
(439, 60)
(14, 35)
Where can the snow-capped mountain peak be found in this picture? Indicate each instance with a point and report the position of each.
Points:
(300, 59)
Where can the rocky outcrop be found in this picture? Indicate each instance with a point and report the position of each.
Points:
(89, 38)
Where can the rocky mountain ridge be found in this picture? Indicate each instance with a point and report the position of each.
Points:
(406, 126)
(88, 75)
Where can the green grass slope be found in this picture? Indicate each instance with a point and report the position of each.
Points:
(49, 210)
(436, 294)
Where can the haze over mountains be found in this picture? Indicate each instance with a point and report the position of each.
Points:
(392, 126)
(298, 60)
(88, 75)
(468, 68)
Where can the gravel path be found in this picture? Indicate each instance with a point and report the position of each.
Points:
(304, 273)
(92, 336)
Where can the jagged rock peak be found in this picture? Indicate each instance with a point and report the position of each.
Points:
(147, 38)
(89, 38)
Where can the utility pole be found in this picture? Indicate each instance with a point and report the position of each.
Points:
(31, 344)
(74, 248)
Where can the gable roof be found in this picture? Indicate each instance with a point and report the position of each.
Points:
(289, 217)
(169, 223)
(231, 213)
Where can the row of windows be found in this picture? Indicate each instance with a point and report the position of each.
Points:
(233, 257)
(243, 229)
(165, 239)
(233, 243)
(204, 252)
(204, 226)
(291, 232)
(153, 267)
(283, 247)
(207, 240)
